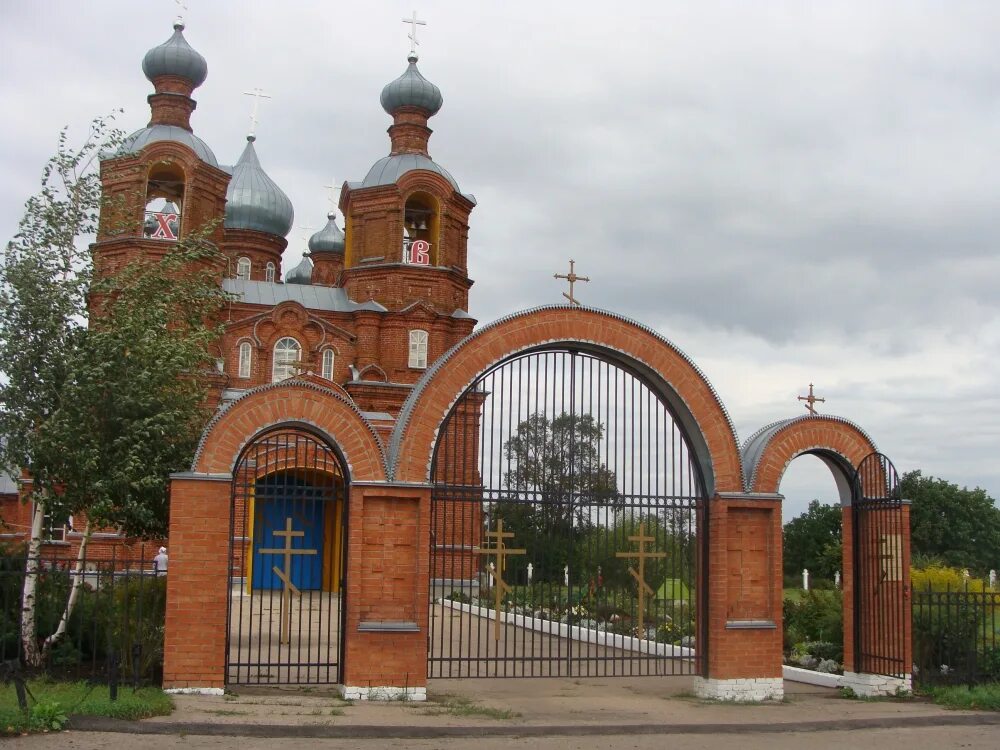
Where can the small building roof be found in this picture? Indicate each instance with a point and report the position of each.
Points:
(328, 298)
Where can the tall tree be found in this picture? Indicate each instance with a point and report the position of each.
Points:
(813, 541)
(957, 525)
(99, 408)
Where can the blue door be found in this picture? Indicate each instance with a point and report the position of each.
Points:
(274, 505)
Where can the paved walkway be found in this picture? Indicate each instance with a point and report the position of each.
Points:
(535, 708)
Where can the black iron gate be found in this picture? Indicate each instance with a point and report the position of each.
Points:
(568, 527)
(287, 561)
(881, 613)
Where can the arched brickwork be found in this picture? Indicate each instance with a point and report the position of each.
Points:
(841, 444)
(297, 400)
(666, 368)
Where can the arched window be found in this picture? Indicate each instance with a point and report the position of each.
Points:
(164, 198)
(328, 364)
(269, 272)
(420, 230)
(243, 268)
(287, 355)
(245, 354)
(418, 349)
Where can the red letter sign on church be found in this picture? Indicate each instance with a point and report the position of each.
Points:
(420, 253)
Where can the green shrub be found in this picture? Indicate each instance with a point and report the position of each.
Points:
(816, 616)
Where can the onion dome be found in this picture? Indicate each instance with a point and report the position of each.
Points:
(254, 201)
(175, 57)
(153, 133)
(412, 90)
(301, 274)
(329, 239)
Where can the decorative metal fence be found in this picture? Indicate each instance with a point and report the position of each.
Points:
(956, 637)
(114, 633)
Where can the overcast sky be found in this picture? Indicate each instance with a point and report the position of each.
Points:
(790, 192)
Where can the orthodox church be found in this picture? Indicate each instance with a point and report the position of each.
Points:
(369, 307)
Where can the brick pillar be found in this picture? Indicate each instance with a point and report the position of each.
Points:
(194, 651)
(744, 599)
(847, 582)
(385, 633)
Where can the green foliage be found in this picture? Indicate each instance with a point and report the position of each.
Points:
(813, 541)
(977, 698)
(55, 701)
(959, 526)
(943, 578)
(816, 616)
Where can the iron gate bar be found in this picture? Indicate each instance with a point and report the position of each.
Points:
(620, 430)
(293, 472)
(880, 610)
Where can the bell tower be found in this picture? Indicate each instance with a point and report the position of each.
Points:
(407, 222)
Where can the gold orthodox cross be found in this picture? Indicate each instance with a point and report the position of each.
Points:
(501, 551)
(572, 278)
(642, 555)
(285, 575)
(811, 400)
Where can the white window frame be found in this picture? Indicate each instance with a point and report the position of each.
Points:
(282, 367)
(269, 272)
(243, 268)
(327, 364)
(418, 349)
(245, 359)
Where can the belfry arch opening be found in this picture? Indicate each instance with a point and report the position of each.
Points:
(421, 224)
(164, 202)
(568, 514)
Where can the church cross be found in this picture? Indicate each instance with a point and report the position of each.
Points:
(257, 94)
(572, 278)
(500, 550)
(306, 228)
(413, 33)
(642, 555)
(811, 400)
(288, 588)
(181, 10)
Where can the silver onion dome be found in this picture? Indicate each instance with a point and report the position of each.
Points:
(412, 90)
(253, 200)
(329, 239)
(175, 57)
(301, 274)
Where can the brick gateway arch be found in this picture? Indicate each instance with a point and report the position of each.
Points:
(392, 516)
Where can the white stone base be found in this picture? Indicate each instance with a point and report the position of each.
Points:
(740, 690)
(873, 685)
(353, 693)
(195, 691)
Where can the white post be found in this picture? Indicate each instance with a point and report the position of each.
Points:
(993, 580)
(531, 572)
(566, 576)
(805, 579)
(836, 579)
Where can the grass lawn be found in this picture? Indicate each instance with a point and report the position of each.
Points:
(793, 595)
(984, 697)
(54, 701)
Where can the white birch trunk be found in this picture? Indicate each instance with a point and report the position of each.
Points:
(29, 641)
(74, 593)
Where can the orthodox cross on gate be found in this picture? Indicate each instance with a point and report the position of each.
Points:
(334, 197)
(811, 400)
(501, 551)
(257, 95)
(642, 555)
(572, 278)
(285, 575)
(413, 33)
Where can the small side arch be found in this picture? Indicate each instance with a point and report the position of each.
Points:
(838, 442)
(295, 401)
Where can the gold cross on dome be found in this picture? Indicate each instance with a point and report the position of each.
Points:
(500, 550)
(811, 400)
(572, 278)
(642, 555)
(285, 575)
